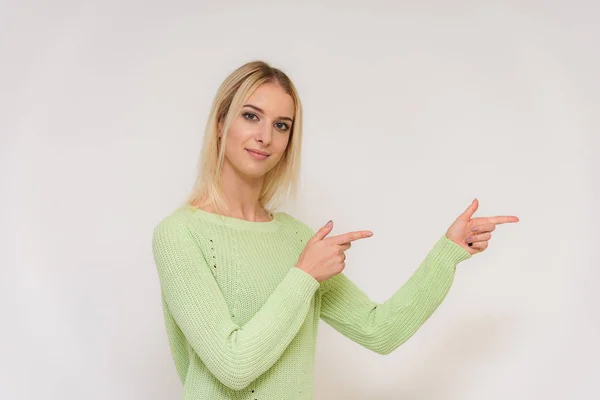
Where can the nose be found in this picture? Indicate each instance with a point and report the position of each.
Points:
(264, 134)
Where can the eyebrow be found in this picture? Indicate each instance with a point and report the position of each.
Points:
(261, 111)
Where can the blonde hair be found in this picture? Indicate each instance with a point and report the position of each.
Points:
(282, 180)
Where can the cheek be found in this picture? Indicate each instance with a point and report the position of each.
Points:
(285, 142)
(238, 135)
(280, 148)
(237, 131)
(282, 140)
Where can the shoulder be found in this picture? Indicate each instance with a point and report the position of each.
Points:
(295, 223)
(175, 223)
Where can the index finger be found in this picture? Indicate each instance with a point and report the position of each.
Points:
(349, 237)
(503, 219)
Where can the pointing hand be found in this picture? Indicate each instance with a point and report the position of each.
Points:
(476, 231)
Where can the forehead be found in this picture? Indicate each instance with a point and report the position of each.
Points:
(273, 100)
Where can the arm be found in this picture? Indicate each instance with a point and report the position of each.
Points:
(383, 327)
(236, 355)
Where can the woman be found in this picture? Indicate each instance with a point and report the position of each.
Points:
(243, 287)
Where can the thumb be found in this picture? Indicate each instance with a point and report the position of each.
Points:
(466, 216)
(324, 231)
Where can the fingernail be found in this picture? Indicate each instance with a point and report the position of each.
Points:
(329, 223)
(474, 229)
(369, 234)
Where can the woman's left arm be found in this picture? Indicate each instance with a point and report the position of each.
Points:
(384, 327)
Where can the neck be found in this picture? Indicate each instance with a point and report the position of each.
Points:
(242, 195)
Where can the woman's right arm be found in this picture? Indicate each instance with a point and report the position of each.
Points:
(236, 355)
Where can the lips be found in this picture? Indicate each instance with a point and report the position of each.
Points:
(261, 153)
(258, 152)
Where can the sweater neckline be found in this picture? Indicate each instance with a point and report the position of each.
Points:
(237, 223)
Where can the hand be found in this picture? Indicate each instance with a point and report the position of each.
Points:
(324, 257)
(461, 231)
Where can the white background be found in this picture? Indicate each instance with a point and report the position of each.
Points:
(412, 110)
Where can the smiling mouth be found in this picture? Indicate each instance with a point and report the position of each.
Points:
(257, 155)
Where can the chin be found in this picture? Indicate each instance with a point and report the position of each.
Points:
(252, 173)
(255, 175)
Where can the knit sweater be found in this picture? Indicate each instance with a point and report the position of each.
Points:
(241, 318)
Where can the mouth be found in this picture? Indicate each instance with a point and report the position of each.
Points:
(260, 155)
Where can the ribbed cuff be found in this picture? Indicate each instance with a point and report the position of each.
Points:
(302, 283)
(446, 250)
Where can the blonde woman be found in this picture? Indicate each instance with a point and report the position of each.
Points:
(243, 286)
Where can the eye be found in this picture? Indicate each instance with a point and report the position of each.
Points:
(249, 116)
(282, 126)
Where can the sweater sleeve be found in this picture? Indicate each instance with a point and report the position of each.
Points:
(236, 355)
(384, 327)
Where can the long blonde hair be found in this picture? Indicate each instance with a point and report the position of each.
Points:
(281, 181)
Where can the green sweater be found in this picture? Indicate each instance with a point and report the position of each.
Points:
(242, 320)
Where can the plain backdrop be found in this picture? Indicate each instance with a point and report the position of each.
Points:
(412, 110)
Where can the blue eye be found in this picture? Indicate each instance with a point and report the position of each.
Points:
(283, 126)
(253, 117)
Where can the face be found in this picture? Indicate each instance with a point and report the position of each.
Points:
(263, 125)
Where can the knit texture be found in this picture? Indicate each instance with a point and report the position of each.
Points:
(242, 320)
